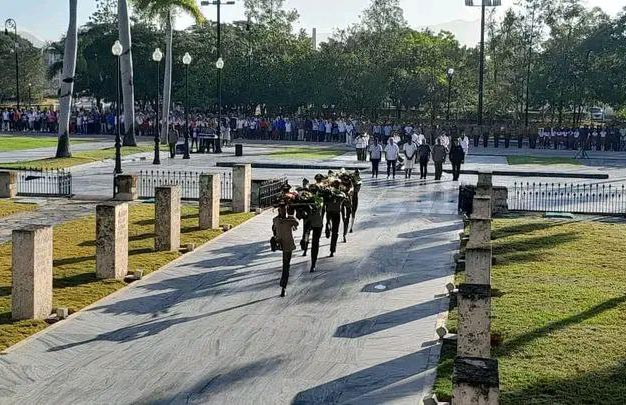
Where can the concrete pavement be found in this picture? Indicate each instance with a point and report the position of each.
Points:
(212, 329)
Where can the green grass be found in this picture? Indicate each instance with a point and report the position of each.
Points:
(78, 158)
(559, 322)
(306, 153)
(75, 283)
(8, 207)
(11, 143)
(539, 160)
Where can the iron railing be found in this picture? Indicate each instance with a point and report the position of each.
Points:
(270, 191)
(572, 198)
(44, 183)
(189, 182)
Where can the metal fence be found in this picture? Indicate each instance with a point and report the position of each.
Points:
(188, 181)
(270, 191)
(44, 183)
(564, 197)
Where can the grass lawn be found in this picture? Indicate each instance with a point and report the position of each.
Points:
(8, 207)
(75, 284)
(77, 158)
(306, 153)
(11, 143)
(539, 160)
(560, 320)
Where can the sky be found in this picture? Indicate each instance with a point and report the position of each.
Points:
(47, 19)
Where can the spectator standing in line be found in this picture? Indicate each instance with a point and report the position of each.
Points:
(376, 152)
(439, 157)
(392, 151)
(410, 151)
(457, 156)
(423, 151)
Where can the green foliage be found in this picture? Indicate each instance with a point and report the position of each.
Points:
(31, 69)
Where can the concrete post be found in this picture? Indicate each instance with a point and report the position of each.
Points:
(112, 240)
(481, 206)
(474, 337)
(126, 187)
(210, 194)
(242, 187)
(480, 231)
(31, 293)
(8, 184)
(478, 263)
(167, 218)
(485, 183)
(475, 381)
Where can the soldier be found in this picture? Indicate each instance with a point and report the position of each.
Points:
(333, 203)
(283, 225)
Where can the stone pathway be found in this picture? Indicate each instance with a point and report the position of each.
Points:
(52, 211)
(212, 329)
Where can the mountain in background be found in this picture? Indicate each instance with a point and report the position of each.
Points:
(33, 39)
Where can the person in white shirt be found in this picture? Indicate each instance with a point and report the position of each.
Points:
(361, 145)
(410, 152)
(376, 153)
(465, 142)
(328, 127)
(288, 129)
(349, 133)
(391, 157)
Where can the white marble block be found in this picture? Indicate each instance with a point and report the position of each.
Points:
(31, 293)
(8, 184)
(242, 187)
(167, 218)
(112, 240)
(210, 194)
(474, 337)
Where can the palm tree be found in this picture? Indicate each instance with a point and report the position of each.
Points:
(126, 63)
(67, 83)
(165, 11)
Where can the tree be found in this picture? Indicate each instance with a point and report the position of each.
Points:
(164, 10)
(126, 66)
(67, 83)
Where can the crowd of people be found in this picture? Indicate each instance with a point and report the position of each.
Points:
(335, 129)
(334, 197)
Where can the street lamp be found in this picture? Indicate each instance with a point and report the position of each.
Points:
(117, 49)
(30, 95)
(450, 75)
(157, 55)
(186, 62)
(483, 4)
(11, 24)
(219, 64)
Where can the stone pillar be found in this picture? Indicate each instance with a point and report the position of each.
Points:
(31, 293)
(210, 194)
(112, 240)
(480, 230)
(8, 184)
(126, 187)
(167, 218)
(242, 187)
(478, 263)
(475, 381)
(485, 183)
(481, 206)
(474, 337)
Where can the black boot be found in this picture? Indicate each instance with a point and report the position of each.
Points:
(282, 292)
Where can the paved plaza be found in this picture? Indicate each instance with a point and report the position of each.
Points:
(210, 328)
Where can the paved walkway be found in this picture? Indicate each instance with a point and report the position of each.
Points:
(212, 329)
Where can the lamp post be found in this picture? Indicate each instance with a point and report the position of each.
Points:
(450, 75)
(30, 95)
(157, 55)
(186, 62)
(117, 49)
(483, 4)
(220, 65)
(11, 24)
